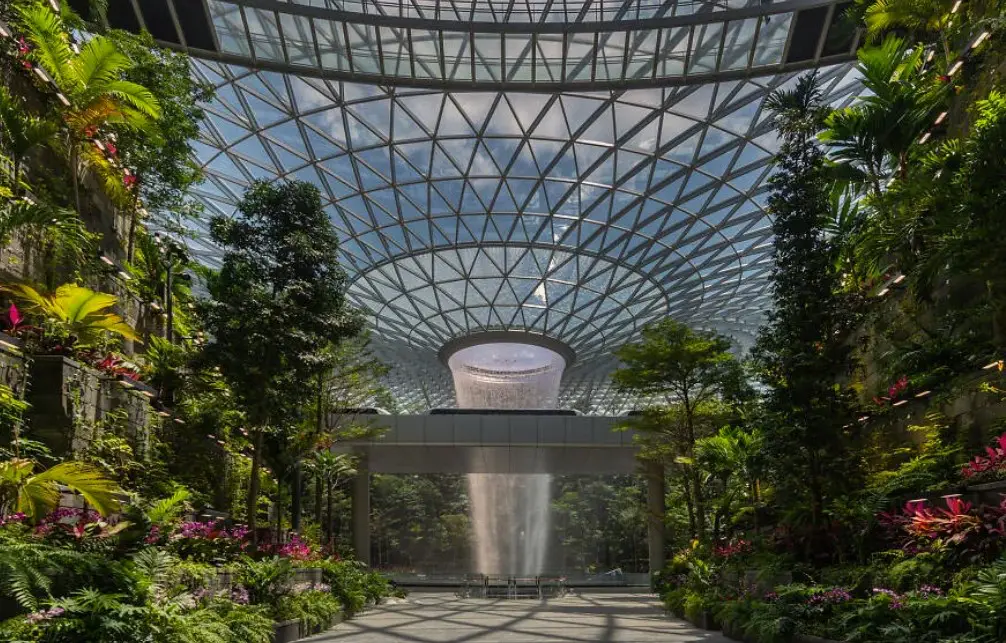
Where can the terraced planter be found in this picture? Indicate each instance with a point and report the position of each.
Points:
(286, 631)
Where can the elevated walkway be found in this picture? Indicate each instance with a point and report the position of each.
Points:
(495, 443)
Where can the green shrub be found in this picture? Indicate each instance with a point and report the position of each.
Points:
(267, 581)
(315, 608)
(674, 600)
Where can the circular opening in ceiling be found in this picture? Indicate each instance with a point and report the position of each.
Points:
(506, 375)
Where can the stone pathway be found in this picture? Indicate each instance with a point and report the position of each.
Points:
(426, 617)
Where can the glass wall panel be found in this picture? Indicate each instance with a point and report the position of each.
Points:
(264, 34)
(738, 44)
(457, 57)
(673, 51)
(488, 56)
(426, 50)
(230, 27)
(518, 57)
(705, 48)
(331, 45)
(395, 48)
(579, 56)
(299, 41)
(772, 40)
(363, 48)
(642, 53)
(548, 62)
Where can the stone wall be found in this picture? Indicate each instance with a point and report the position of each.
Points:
(73, 405)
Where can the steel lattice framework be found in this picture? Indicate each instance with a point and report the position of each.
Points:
(580, 211)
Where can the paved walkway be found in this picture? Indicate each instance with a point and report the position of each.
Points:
(443, 618)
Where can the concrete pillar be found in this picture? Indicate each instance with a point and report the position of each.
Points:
(361, 510)
(655, 511)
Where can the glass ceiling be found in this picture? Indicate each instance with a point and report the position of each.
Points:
(577, 215)
(465, 44)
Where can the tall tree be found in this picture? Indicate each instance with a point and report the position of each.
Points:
(802, 351)
(276, 304)
(689, 374)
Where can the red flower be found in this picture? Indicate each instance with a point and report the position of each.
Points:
(112, 150)
(129, 180)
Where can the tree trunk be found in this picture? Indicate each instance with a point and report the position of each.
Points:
(253, 487)
(330, 524)
(297, 490)
(133, 220)
(75, 179)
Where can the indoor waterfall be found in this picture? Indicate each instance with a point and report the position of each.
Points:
(510, 512)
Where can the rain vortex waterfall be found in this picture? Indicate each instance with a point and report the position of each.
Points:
(510, 512)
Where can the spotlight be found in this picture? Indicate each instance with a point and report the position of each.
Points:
(41, 74)
(106, 260)
(956, 67)
(63, 99)
(4, 29)
(923, 394)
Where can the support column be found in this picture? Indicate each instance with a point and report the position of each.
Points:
(361, 510)
(655, 511)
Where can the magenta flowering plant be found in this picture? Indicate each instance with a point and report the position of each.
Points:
(733, 548)
(991, 465)
(73, 523)
(295, 548)
(967, 532)
(834, 596)
(207, 542)
(896, 600)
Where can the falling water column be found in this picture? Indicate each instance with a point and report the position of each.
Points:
(510, 513)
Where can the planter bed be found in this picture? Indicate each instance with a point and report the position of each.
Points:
(296, 630)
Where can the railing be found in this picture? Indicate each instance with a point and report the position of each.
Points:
(512, 587)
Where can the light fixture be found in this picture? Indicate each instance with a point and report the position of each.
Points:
(898, 279)
(9, 346)
(4, 29)
(980, 39)
(41, 74)
(149, 394)
(957, 5)
(883, 292)
(940, 118)
(125, 384)
(179, 421)
(155, 306)
(106, 260)
(923, 394)
(991, 366)
(925, 137)
(98, 144)
(956, 67)
(864, 418)
(164, 414)
(900, 403)
(63, 99)
(55, 5)
(125, 275)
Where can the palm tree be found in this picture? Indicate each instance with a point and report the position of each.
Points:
(36, 494)
(328, 470)
(733, 454)
(90, 80)
(74, 312)
(871, 140)
(22, 133)
(924, 20)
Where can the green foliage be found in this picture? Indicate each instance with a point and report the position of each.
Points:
(801, 351)
(316, 609)
(267, 580)
(35, 494)
(280, 295)
(74, 314)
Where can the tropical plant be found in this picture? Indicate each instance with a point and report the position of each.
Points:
(692, 373)
(74, 314)
(58, 234)
(280, 294)
(870, 141)
(28, 568)
(21, 132)
(35, 494)
(802, 350)
(92, 83)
